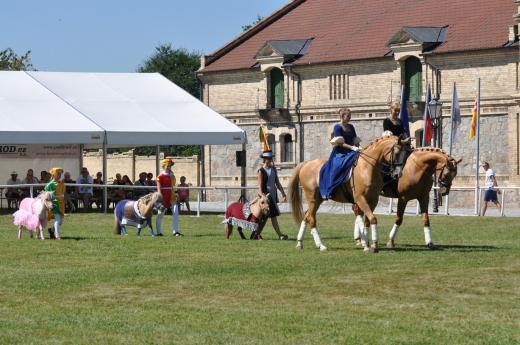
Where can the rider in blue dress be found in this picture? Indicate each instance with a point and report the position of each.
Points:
(337, 169)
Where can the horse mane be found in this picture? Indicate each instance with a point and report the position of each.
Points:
(377, 140)
(434, 150)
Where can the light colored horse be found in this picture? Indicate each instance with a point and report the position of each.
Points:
(135, 213)
(32, 214)
(363, 187)
(246, 216)
(416, 183)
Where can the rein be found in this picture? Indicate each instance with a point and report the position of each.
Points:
(390, 165)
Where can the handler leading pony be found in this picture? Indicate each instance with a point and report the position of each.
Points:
(363, 187)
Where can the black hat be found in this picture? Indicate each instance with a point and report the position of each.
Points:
(267, 154)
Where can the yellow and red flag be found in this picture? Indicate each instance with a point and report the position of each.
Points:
(473, 125)
(262, 134)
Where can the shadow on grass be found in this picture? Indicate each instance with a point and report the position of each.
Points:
(451, 248)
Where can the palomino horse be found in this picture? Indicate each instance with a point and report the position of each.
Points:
(363, 187)
(416, 183)
(135, 213)
(32, 214)
(246, 216)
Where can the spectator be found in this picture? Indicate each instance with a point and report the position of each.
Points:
(85, 192)
(29, 179)
(129, 194)
(491, 191)
(97, 193)
(149, 180)
(13, 194)
(44, 177)
(71, 203)
(118, 194)
(142, 183)
(184, 194)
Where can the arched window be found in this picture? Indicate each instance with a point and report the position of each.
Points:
(286, 148)
(271, 140)
(276, 88)
(413, 79)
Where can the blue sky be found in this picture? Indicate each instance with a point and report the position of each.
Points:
(116, 35)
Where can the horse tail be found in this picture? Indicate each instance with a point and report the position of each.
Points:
(116, 227)
(294, 194)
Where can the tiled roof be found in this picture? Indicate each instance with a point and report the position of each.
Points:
(360, 29)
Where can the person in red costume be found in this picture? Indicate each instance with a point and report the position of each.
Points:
(165, 185)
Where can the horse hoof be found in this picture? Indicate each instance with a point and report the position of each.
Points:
(390, 245)
(299, 246)
(323, 248)
(431, 246)
(358, 242)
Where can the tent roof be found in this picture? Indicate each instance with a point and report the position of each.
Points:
(30, 113)
(133, 109)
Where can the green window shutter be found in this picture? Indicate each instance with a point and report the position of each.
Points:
(277, 88)
(413, 79)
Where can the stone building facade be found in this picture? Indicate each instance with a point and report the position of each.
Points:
(246, 87)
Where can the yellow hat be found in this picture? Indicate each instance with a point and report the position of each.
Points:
(167, 162)
(55, 171)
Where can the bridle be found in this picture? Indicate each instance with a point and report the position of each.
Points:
(390, 167)
(443, 179)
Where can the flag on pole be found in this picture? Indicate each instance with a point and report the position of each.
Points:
(428, 131)
(403, 115)
(474, 118)
(455, 114)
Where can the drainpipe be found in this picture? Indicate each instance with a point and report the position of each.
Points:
(297, 109)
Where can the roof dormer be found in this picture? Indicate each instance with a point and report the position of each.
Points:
(279, 52)
(417, 39)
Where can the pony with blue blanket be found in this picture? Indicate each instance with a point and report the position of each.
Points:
(136, 213)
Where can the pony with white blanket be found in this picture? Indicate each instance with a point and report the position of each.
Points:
(32, 214)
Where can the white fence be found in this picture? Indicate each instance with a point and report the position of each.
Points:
(221, 196)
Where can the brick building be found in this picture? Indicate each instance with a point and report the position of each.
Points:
(294, 69)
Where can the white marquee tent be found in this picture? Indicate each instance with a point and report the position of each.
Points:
(104, 110)
(115, 109)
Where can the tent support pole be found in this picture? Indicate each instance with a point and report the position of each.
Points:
(243, 175)
(203, 172)
(80, 157)
(157, 160)
(105, 191)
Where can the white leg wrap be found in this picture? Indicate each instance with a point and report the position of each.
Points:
(375, 235)
(303, 225)
(57, 223)
(358, 226)
(175, 218)
(317, 240)
(427, 235)
(364, 237)
(158, 221)
(393, 232)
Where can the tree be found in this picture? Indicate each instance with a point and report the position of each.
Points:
(179, 66)
(258, 20)
(10, 61)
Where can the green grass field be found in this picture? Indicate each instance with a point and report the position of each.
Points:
(96, 288)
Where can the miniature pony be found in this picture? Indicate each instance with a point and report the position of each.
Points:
(32, 214)
(246, 216)
(135, 213)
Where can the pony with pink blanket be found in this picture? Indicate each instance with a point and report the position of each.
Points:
(32, 214)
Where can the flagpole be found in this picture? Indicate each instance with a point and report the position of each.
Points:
(477, 188)
(451, 139)
(452, 117)
(425, 116)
